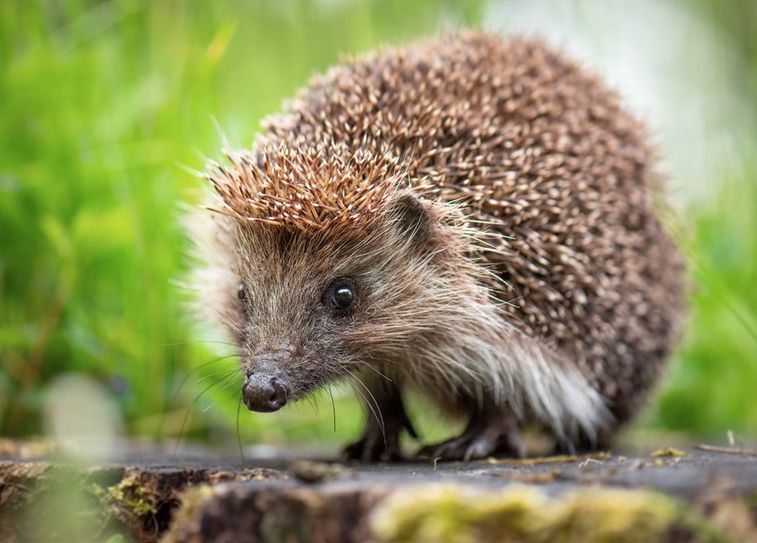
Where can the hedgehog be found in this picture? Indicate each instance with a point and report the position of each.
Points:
(471, 218)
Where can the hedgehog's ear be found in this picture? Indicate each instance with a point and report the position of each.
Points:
(410, 216)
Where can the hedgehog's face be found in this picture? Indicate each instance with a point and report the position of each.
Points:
(314, 307)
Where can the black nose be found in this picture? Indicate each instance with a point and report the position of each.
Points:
(264, 393)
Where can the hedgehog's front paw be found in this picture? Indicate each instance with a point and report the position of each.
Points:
(381, 438)
(375, 446)
(479, 440)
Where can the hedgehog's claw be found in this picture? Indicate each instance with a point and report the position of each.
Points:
(480, 439)
(372, 447)
(378, 446)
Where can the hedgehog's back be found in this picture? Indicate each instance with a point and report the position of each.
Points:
(540, 150)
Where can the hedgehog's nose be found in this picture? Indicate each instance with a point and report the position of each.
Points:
(264, 393)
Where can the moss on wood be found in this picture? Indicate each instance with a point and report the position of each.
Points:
(459, 514)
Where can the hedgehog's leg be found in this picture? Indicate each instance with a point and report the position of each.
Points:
(490, 431)
(386, 421)
(582, 444)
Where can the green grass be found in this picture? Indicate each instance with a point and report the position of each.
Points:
(103, 105)
(711, 386)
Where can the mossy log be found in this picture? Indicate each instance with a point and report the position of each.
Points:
(57, 501)
(665, 495)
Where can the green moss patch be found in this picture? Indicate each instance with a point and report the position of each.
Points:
(459, 514)
(669, 452)
(131, 495)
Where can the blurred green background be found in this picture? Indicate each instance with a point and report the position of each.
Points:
(104, 106)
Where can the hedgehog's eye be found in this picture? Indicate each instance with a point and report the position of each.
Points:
(242, 293)
(341, 295)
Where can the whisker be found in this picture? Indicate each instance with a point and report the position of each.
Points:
(234, 392)
(311, 399)
(365, 400)
(189, 409)
(374, 368)
(196, 368)
(228, 384)
(376, 411)
(333, 406)
(239, 436)
(368, 390)
(194, 342)
(176, 391)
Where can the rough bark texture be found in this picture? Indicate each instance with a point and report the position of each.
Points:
(668, 495)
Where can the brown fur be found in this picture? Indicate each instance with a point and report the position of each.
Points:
(544, 275)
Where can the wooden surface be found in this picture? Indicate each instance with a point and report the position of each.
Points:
(200, 497)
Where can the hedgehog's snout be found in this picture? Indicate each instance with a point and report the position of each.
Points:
(265, 389)
(265, 393)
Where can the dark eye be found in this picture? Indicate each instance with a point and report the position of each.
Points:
(242, 293)
(341, 295)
